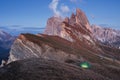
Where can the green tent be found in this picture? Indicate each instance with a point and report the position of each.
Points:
(85, 65)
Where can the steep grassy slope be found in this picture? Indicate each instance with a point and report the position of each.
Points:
(41, 69)
(80, 49)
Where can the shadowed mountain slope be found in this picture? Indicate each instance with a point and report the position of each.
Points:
(43, 69)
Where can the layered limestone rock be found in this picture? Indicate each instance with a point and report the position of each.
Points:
(82, 19)
(24, 47)
(53, 26)
(75, 28)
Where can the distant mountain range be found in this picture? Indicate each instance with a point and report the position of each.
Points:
(64, 46)
(6, 40)
(107, 36)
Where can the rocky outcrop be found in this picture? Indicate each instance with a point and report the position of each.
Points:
(107, 36)
(72, 38)
(53, 26)
(76, 28)
(82, 19)
(28, 46)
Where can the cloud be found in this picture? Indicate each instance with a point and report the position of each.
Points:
(64, 8)
(32, 28)
(53, 6)
(58, 9)
(12, 28)
(77, 1)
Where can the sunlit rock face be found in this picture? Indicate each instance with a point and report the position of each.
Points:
(70, 29)
(62, 33)
(29, 46)
(75, 28)
(53, 26)
(82, 19)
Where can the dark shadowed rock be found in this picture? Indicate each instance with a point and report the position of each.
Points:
(6, 40)
(67, 20)
(41, 69)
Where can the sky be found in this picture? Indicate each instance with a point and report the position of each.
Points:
(18, 16)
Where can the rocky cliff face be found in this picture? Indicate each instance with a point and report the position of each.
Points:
(54, 26)
(73, 29)
(81, 19)
(70, 32)
(107, 36)
(74, 41)
(28, 46)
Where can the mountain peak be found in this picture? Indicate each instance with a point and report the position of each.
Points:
(53, 25)
(82, 19)
(69, 28)
(78, 11)
(73, 19)
(4, 35)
